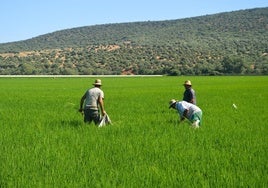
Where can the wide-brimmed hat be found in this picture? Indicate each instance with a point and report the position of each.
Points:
(188, 83)
(171, 102)
(97, 82)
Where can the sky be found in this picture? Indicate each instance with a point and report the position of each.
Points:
(25, 19)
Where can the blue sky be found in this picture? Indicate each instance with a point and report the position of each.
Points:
(24, 19)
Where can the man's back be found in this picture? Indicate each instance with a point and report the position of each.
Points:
(92, 96)
(189, 96)
(191, 108)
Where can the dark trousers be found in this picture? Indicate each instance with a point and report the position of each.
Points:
(91, 115)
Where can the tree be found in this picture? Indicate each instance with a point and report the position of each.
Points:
(27, 69)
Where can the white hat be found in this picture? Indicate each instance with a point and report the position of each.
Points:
(188, 83)
(171, 102)
(97, 82)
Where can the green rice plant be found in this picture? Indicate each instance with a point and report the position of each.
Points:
(44, 142)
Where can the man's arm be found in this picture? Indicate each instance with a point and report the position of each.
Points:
(184, 115)
(82, 102)
(192, 101)
(192, 94)
(101, 102)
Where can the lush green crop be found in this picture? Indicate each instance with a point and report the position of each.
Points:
(44, 142)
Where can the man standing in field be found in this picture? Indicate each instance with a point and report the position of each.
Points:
(187, 110)
(189, 93)
(92, 101)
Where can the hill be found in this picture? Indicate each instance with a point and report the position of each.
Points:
(224, 43)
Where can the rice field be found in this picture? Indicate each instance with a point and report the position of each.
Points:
(44, 142)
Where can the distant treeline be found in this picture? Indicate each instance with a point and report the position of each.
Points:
(220, 44)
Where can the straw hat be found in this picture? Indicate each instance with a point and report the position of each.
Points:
(188, 83)
(97, 82)
(171, 102)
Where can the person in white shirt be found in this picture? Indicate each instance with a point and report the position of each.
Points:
(93, 101)
(187, 110)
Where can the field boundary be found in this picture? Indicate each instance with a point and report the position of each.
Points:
(72, 76)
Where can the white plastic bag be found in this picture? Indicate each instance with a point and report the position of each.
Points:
(105, 120)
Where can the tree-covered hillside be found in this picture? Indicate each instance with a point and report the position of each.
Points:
(225, 43)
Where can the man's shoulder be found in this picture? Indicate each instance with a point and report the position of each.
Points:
(95, 89)
(185, 104)
(192, 91)
(189, 90)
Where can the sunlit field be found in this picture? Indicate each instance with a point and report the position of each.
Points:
(44, 142)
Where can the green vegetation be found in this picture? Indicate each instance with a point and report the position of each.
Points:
(44, 142)
(232, 43)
